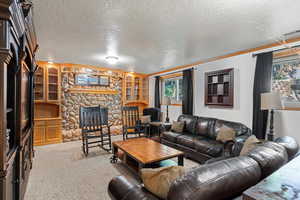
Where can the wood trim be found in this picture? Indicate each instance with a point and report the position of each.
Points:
(72, 65)
(92, 91)
(46, 119)
(275, 44)
(285, 53)
(291, 109)
(172, 75)
(173, 104)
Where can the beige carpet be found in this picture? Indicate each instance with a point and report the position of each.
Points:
(61, 172)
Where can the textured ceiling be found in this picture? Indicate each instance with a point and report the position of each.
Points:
(153, 35)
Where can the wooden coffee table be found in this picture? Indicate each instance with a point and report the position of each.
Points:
(139, 152)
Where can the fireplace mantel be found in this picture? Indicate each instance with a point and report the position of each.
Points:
(92, 91)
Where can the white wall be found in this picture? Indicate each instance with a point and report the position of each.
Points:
(285, 122)
(244, 68)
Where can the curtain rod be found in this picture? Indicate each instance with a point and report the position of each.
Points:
(255, 54)
(174, 72)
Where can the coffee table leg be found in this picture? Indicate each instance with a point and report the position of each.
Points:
(114, 158)
(180, 160)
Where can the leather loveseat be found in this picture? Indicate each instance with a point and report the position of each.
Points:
(198, 139)
(225, 179)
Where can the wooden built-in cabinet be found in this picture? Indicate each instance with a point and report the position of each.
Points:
(47, 128)
(136, 90)
(18, 46)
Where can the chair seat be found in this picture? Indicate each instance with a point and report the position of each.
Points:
(208, 146)
(170, 136)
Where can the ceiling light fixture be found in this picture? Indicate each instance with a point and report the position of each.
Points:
(50, 62)
(112, 59)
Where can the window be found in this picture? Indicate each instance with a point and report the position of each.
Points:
(172, 88)
(286, 80)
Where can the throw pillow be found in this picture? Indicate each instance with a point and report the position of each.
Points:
(225, 134)
(159, 180)
(177, 127)
(249, 144)
(145, 119)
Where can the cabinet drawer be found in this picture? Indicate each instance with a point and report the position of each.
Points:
(54, 122)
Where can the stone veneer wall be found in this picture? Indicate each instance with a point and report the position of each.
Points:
(71, 103)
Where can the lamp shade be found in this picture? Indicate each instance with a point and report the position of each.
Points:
(167, 101)
(270, 100)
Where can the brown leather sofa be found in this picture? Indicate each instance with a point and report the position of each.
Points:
(198, 140)
(225, 179)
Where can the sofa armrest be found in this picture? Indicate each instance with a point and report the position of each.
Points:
(238, 144)
(120, 188)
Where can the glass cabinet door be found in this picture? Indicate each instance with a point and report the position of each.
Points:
(129, 87)
(39, 84)
(145, 92)
(136, 91)
(53, 82)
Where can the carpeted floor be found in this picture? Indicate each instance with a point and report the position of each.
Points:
(61, 172)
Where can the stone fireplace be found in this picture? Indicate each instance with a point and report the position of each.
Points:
(71, 102)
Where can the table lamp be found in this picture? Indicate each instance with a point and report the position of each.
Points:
(167, 103)
(271, 101)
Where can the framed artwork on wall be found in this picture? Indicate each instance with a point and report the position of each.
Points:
(219, 88)
(91, 80)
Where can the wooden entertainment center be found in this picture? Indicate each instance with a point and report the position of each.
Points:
(17, 66)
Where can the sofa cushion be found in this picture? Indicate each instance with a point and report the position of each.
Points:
(225, 134)
(270, 156)
(159, 180)
(177, 127)
(290, 144)
(170, 136)
(203, 124)
(219, 180)
(186, 140)
(249, 144)
(208, 146)
(239, 128)
(190, 122)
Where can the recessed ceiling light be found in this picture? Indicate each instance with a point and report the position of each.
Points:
(112, 59)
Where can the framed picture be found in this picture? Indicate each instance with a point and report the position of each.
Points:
(104, 80)
(81, 79)
(91, 80)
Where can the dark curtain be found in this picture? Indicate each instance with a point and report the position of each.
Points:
(262, 83)
(157, 92)
(187, 92)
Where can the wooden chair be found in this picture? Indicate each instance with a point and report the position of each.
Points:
(131, 121)
(94, 120)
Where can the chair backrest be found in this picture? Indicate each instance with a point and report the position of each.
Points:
(130, 116)
(91, 118)
(104, 115)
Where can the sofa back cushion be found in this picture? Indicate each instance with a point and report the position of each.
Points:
(290, 144)
(204, 126)
(220, 180)
(270, 156)
(189, 123)
(240, 129)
